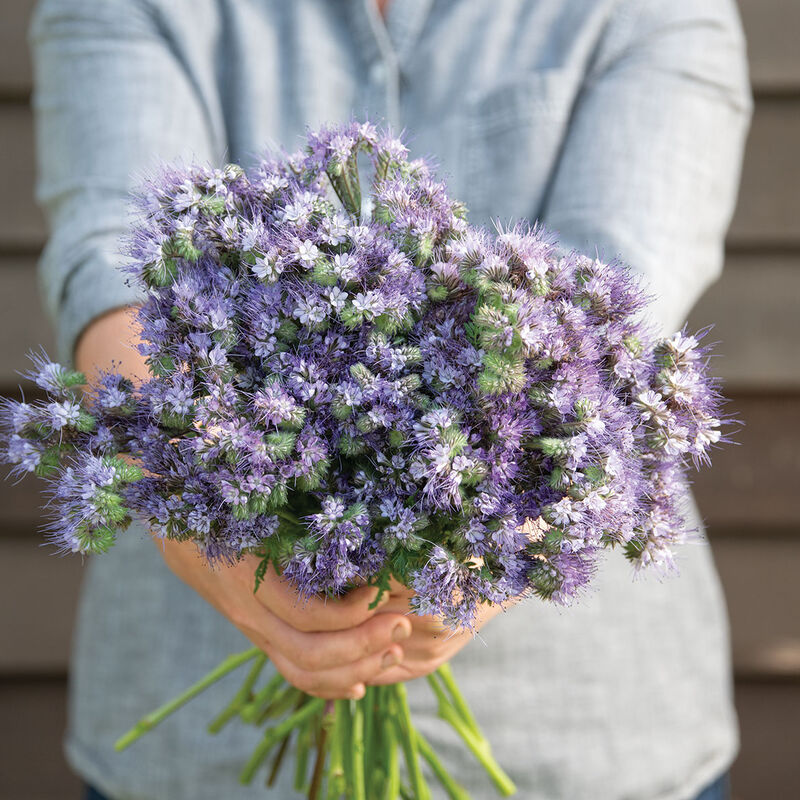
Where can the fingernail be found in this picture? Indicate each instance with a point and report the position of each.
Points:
(400, 632)
(358, 692)
(389, 660)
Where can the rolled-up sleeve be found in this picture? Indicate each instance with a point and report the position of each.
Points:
(111, 101)
(650, 168)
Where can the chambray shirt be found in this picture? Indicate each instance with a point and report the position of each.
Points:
(620, 124)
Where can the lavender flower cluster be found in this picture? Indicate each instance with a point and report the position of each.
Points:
(358, 387)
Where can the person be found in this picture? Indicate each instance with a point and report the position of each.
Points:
(618, 123)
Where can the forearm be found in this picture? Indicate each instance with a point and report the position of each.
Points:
(110, 340)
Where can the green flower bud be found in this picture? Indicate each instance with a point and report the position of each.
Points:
(212, 204)
(280, 444)
(322, 273)
(362, 375)
(49, 462)
(160, 273)
(351, 446)
(366, 424)
(96, 541)
(278, 497)
(551, 446)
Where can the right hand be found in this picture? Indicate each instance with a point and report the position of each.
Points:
(328, 647)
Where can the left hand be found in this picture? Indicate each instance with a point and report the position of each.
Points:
(431, 643)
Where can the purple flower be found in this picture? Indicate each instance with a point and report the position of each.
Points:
(351, 382)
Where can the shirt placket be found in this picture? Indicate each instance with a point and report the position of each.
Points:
(386, 43)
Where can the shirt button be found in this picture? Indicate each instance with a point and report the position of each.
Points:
(377, 72)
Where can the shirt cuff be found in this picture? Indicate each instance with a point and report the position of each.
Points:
(95, 288)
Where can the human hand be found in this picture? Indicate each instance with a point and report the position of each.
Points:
(328, 648)
(431, 643)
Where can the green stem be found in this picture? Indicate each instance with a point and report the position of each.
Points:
(370, 732)
(480, 749)
(301, 756)
(240, 698)
(408, 741)
(336, 776)
(251, 711)
(445, 673)
(289, 517)
(454, 790)
(149, 721)
(279, 756)
(323, 745)
(273, 735)
(357, 729)
(345, 731)
(283, 701)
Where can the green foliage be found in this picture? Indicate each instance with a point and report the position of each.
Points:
(160, 273)
(323, 273)
(85, 422)
(438, 292)
(161, 366)
(424, 248)
(361, 375)
(279, 444)
(212, 204)
(287, 331)
(350, 316)
(341, 410)
(633, 346)
(261, 572)
(366, 424)
(632, 550)
(49, 463)
(544, 580)
(97, 540)
(351, 446)
(278, 497)
(551, 446)
(182, 246)
(176, 422)
(382, 581)
(502, 372)
(312, 481)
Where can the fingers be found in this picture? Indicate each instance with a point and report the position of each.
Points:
(329, 664)
(313, 652)
(345, 681)
(317, 613)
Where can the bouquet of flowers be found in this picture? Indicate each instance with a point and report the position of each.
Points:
(365, 388)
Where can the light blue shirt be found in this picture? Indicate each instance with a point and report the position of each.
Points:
(619, 123)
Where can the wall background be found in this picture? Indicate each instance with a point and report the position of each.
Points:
(750, 499)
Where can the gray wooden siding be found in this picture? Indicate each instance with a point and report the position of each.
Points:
(749, 499)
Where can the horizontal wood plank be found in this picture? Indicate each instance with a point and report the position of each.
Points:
(15, 66)
(752, 486)
(758, 576)
(770, 27)
(753, 309)
(24, 326)
(38, 592)
(32, 722)
(769, 200)
(33, 765)
(769, 718)
(21, 222)
(767, 213)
